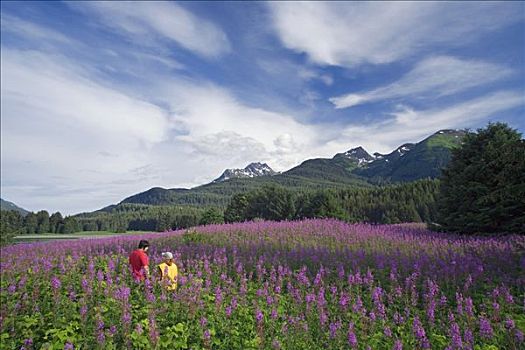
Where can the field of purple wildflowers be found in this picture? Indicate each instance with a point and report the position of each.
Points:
(270, 285)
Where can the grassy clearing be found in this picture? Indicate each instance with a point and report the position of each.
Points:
(82, 234)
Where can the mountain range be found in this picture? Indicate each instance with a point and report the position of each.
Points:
(355, 167)
(6, 205)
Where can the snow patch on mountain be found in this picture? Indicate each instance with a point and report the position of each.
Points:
(251, 170)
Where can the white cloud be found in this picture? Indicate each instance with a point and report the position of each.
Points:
(215, 123)
(354, 33)
(410, 125)
(56, 123)
(147, 21)
(432, 77)
(32, 30)
(72, 143)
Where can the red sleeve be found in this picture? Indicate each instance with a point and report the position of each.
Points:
(144, 260)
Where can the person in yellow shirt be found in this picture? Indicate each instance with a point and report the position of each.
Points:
(168, 271)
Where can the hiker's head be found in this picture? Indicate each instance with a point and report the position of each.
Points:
(168, 257)
(144, 245)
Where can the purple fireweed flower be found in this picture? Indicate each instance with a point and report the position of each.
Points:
(469, 306)
(387, 331)
(276, 344)
(318, 279)
(11, 289)
(274, 314)
(468, 337)
(203, 322)
(419, 332)
(398, 319)
(68, 346)
(55, 283)
(84, 284)
(126, 318)
(228, 311)
(485, 329)
(455, 333)
(310, 298)
(431, 308)
(459, 301)
(218, 296)
(150, 297)
(101, 337)
(100, 275)
(357, 307)
(321, 301)
(352, 339)
(83, 311)
(207, 334)
(443, 300)
(323, 318)
(509, 323)
(153, 332)
(376, 294)
(398, 345)
(259, 315)
(519, 336)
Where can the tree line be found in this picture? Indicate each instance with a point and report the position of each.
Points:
(409, 202)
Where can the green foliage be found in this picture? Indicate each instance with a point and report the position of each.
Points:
(55, 220)
(483, 188)
(10, 225)
(192, 236)
(425, 159)
(271, 203)
(237, 208)
(140, 217)
(43, 222)
(322, 204)
(212, 216)
(31, 223)
(411, 202)
(70, 225)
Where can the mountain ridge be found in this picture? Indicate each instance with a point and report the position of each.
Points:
(355, 167)
(6, 205)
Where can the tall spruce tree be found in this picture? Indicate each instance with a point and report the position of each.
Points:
(483, 187)
(54, 221)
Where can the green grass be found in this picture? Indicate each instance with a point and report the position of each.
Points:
(82, 234)
(443, 141)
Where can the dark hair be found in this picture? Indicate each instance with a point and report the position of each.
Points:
(143, 244)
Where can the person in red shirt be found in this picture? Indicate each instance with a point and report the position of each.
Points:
(139, 261)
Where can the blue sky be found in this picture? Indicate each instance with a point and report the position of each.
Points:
(101, 100)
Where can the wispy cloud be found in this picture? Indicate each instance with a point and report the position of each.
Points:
(408, 124)
(433, 77)
(57, 122)
(151, 21)
(350, 34)
(31, 30)
(216, 123)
